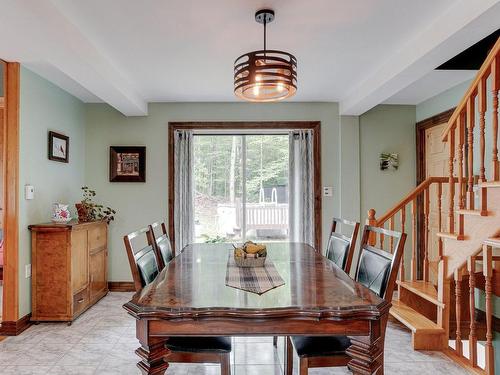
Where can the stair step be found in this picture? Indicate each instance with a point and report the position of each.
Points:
(490, 184)
(472, 212)
(415, 321)
(423, 289)
(452, 236)
(494, 242)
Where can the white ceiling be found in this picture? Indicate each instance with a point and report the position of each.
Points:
(128, 53)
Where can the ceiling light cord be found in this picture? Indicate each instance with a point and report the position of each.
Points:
(265, 36)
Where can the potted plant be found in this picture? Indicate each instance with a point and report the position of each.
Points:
(88, 210)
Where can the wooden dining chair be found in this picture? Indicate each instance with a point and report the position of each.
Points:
(377, 270)
(144, 266)
(162, 244)
(340, 247)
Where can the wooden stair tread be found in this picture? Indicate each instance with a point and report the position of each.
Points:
(472, 212)
(452, 236)
(415, 321)
(489, 184)
(423, 289)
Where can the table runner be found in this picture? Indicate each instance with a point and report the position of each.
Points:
(253, 279)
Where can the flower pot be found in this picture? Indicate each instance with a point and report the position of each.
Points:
(83, 213)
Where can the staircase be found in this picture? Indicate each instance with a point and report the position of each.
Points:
(456, 252)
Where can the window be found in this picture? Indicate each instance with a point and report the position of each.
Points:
(241, 187)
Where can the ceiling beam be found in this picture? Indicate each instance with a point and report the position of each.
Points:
(65, 48)
(462, 25)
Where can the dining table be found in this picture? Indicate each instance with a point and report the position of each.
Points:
(189, 297)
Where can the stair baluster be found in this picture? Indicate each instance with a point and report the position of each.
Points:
(451, 183)
(488, 273)
(391, 227)
(471, 267)
(470, 151)
(458, 306)
(495, 83)
(403, 229)
(426, 234)
(482, 123)
(413, 263)
(440, 219)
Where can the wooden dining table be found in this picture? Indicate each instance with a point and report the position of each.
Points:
(190, 298)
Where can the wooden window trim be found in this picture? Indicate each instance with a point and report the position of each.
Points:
(278, 125)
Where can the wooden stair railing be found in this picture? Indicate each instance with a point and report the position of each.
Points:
(480, 272)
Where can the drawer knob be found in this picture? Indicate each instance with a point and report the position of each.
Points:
(80, 300)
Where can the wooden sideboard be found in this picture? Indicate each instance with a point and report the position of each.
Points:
(69, 269)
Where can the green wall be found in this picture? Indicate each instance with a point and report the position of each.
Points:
(141, 203)
(45, 107)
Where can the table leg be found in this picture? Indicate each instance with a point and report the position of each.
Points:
(367, 352)
(152, 351)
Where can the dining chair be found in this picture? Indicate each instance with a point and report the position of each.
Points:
(162, 244)
(340, 247)
(377, 270)
(144, 266)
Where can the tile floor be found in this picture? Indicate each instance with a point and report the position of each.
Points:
(102, 341)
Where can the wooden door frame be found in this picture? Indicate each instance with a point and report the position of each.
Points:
(11, 324)
(315, 126)
(420, 128)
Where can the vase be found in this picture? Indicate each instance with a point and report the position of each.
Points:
(60, 213)
(83, 213)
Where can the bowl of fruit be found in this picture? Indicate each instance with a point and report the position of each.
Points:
(250, 254)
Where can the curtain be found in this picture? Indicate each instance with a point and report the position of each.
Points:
(183, 189)
(301, 186)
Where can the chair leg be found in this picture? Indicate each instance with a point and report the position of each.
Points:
(288, 356)
(225, 364)
(304, 366)
(275, 341)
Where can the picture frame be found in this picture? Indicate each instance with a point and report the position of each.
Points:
(58, 147)
(127, 164)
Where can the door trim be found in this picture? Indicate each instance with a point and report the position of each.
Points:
(10, 165)
(420, 128)
(247, 125)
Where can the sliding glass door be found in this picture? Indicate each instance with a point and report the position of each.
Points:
(241, 187)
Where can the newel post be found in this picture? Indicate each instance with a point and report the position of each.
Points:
(372, 221)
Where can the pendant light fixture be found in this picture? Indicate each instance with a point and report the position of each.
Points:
(265, 75)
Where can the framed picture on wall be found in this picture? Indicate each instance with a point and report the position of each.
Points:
(127, 164)
(58, 147)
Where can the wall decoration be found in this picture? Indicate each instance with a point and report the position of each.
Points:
(127, 164)
(58, 147)
(389, 161)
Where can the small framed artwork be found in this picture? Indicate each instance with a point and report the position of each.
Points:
(58, 147)
(127, 164)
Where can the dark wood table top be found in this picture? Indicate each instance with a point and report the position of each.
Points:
(193, 286)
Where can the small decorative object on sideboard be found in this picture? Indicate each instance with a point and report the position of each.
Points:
(88, 210)
(127, 164)
(58, 147)
(250, 254)
(60, 213)
(388, 160)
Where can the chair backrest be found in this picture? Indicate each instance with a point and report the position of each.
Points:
(377, 269)
(163, 247)
(340, 248)
(142, 259)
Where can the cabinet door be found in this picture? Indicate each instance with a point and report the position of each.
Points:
(98, 278)
(79, 261)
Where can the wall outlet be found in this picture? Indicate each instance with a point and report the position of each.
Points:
(328, 191)
(27, 271)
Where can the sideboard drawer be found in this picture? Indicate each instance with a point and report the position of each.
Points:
(97, 237)
(80, 301)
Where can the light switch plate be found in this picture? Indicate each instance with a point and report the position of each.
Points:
(27, 270)
(328, 191)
